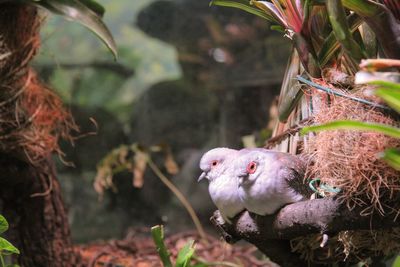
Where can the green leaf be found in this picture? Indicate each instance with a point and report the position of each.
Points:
(382, 23)
(363, 7)
(392, 97)
(157, 232)
(340, 27)
(12, 265)
(354, 125)
(3, 224)
(278, 28)
(386, 85)
(200, 265)
(396, 262)
(7, 246)
(185, 255)
(392, 157)
(331, 44)
(244, 5)
(79, 12)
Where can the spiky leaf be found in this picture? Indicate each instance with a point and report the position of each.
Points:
(78, 11)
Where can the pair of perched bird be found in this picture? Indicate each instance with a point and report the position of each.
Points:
(259, 180)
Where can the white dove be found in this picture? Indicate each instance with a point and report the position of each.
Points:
(269, 180)
(217, 166)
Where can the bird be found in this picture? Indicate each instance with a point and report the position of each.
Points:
(269, 180)
(217, 166)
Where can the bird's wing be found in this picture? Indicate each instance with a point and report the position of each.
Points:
(294, 170)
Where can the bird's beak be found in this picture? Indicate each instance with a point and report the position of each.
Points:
(202, 176)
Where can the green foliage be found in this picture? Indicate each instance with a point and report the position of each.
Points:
(306, 27)
(157, 232)
(392, 157)
(185, 255)
(396, 262)
(6, 248)
(343, 34)
(86, 12)
(354, 125)
(244, 5)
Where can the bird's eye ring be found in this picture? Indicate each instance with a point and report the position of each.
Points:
(252, 167)
(214, 163)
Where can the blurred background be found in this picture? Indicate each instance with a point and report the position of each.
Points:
(189, 77)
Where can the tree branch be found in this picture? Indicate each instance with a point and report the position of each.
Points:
(325, 216)
(302, 218)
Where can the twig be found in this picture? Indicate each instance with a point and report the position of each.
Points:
(47, 191)
(180, 196)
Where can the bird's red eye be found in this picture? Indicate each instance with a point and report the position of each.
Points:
(252, 167)
(214, 163)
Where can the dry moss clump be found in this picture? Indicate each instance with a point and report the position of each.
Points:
(32, 116)
(350, 160)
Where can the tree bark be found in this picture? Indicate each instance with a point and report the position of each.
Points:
(29, 191)
(271, 234)
(38, 220)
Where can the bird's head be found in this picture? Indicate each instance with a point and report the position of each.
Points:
(248, 166)
(215, 162)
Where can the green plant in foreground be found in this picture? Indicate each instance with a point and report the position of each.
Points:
(186, 255)
(6, 248)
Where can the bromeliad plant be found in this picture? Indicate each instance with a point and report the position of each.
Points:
(323, 31)
(327, 34)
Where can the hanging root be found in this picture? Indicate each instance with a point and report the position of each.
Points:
(33, 120)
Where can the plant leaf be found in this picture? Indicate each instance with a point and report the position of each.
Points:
(338, 20)
(79, 12)
(331, 45)
(381, 21)
(244, 5)
(271, 10)
(200, 265)
(386, 85)
(3, 224)
(157, 232)
(290, 90)
(94, 6)
(392, 157)
(354, 125)
(392, 97)
(185, 255)
(7, 246)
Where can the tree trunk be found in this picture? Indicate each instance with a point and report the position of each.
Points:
(29, 191)
(33, 205)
